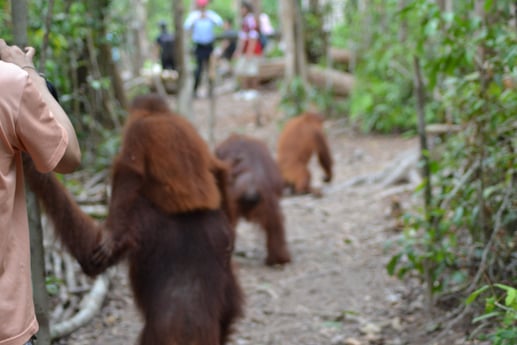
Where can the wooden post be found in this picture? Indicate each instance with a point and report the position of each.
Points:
(137, 35)
(288, 38)
(19, 13)
(41, 303)
(426, 171)
(185, 80)
(424, 150)
(293, 38)
(212, 75)
(39, 288)
(301, 60)
(44, 45)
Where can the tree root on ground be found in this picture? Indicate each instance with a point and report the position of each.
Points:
(89, 307)
(75, 299)
(401, 175)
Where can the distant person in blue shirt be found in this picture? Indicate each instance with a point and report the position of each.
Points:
(165, 42)
(202, 22)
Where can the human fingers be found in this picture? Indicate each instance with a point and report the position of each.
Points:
(29, 52)
(7, 52)
(15, 55)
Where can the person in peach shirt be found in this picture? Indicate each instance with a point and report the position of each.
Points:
(31, 121)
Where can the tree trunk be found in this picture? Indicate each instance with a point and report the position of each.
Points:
(138, 38)
(44, 45)
(185, 78)
(20, 15)
(340, 83)
(102, 65)
(39, 289)
(340, 56)
(105, 59)
(109, 68)
(403, 24)
(426, 171)
(301, 60)
(287, 15)
(445, 5)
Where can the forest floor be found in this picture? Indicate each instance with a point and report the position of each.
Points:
(336, 291)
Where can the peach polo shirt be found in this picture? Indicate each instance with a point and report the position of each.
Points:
(26, 124)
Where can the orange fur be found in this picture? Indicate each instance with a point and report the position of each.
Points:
(168, 197)
(178, 182)
(169, 215)
(302, 137)
(78, 232)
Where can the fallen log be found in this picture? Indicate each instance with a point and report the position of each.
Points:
(271, 69)
(162, 81)
(340, 83)
(441, 129)
(340, 56)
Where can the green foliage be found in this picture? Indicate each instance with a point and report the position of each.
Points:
(466, 62)
(382, 99)
(52, 284)
(297, 97)
(432, 253)
(501, 310)
(340, 36)
(315, 35)
(5, 18)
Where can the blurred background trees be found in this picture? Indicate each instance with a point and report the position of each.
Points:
(467, 52)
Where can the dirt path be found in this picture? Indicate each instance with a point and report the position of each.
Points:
(337, 287)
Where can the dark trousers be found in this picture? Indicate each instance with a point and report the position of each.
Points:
(168, 63)
(202, 52)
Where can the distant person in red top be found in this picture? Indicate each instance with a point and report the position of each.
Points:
(249, 49)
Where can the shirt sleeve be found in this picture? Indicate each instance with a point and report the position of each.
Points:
(215, 18)
(38, 131)
(190, 20)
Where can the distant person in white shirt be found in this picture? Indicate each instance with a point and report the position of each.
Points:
(201, 23)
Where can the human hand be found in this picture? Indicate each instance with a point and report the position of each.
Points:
(15, 55)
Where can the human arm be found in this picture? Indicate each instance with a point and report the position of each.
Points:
(72, 154)
(214, 17)
(191, 18)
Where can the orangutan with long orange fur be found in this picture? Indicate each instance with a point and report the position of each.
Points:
(302, 137)
(169, 214)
